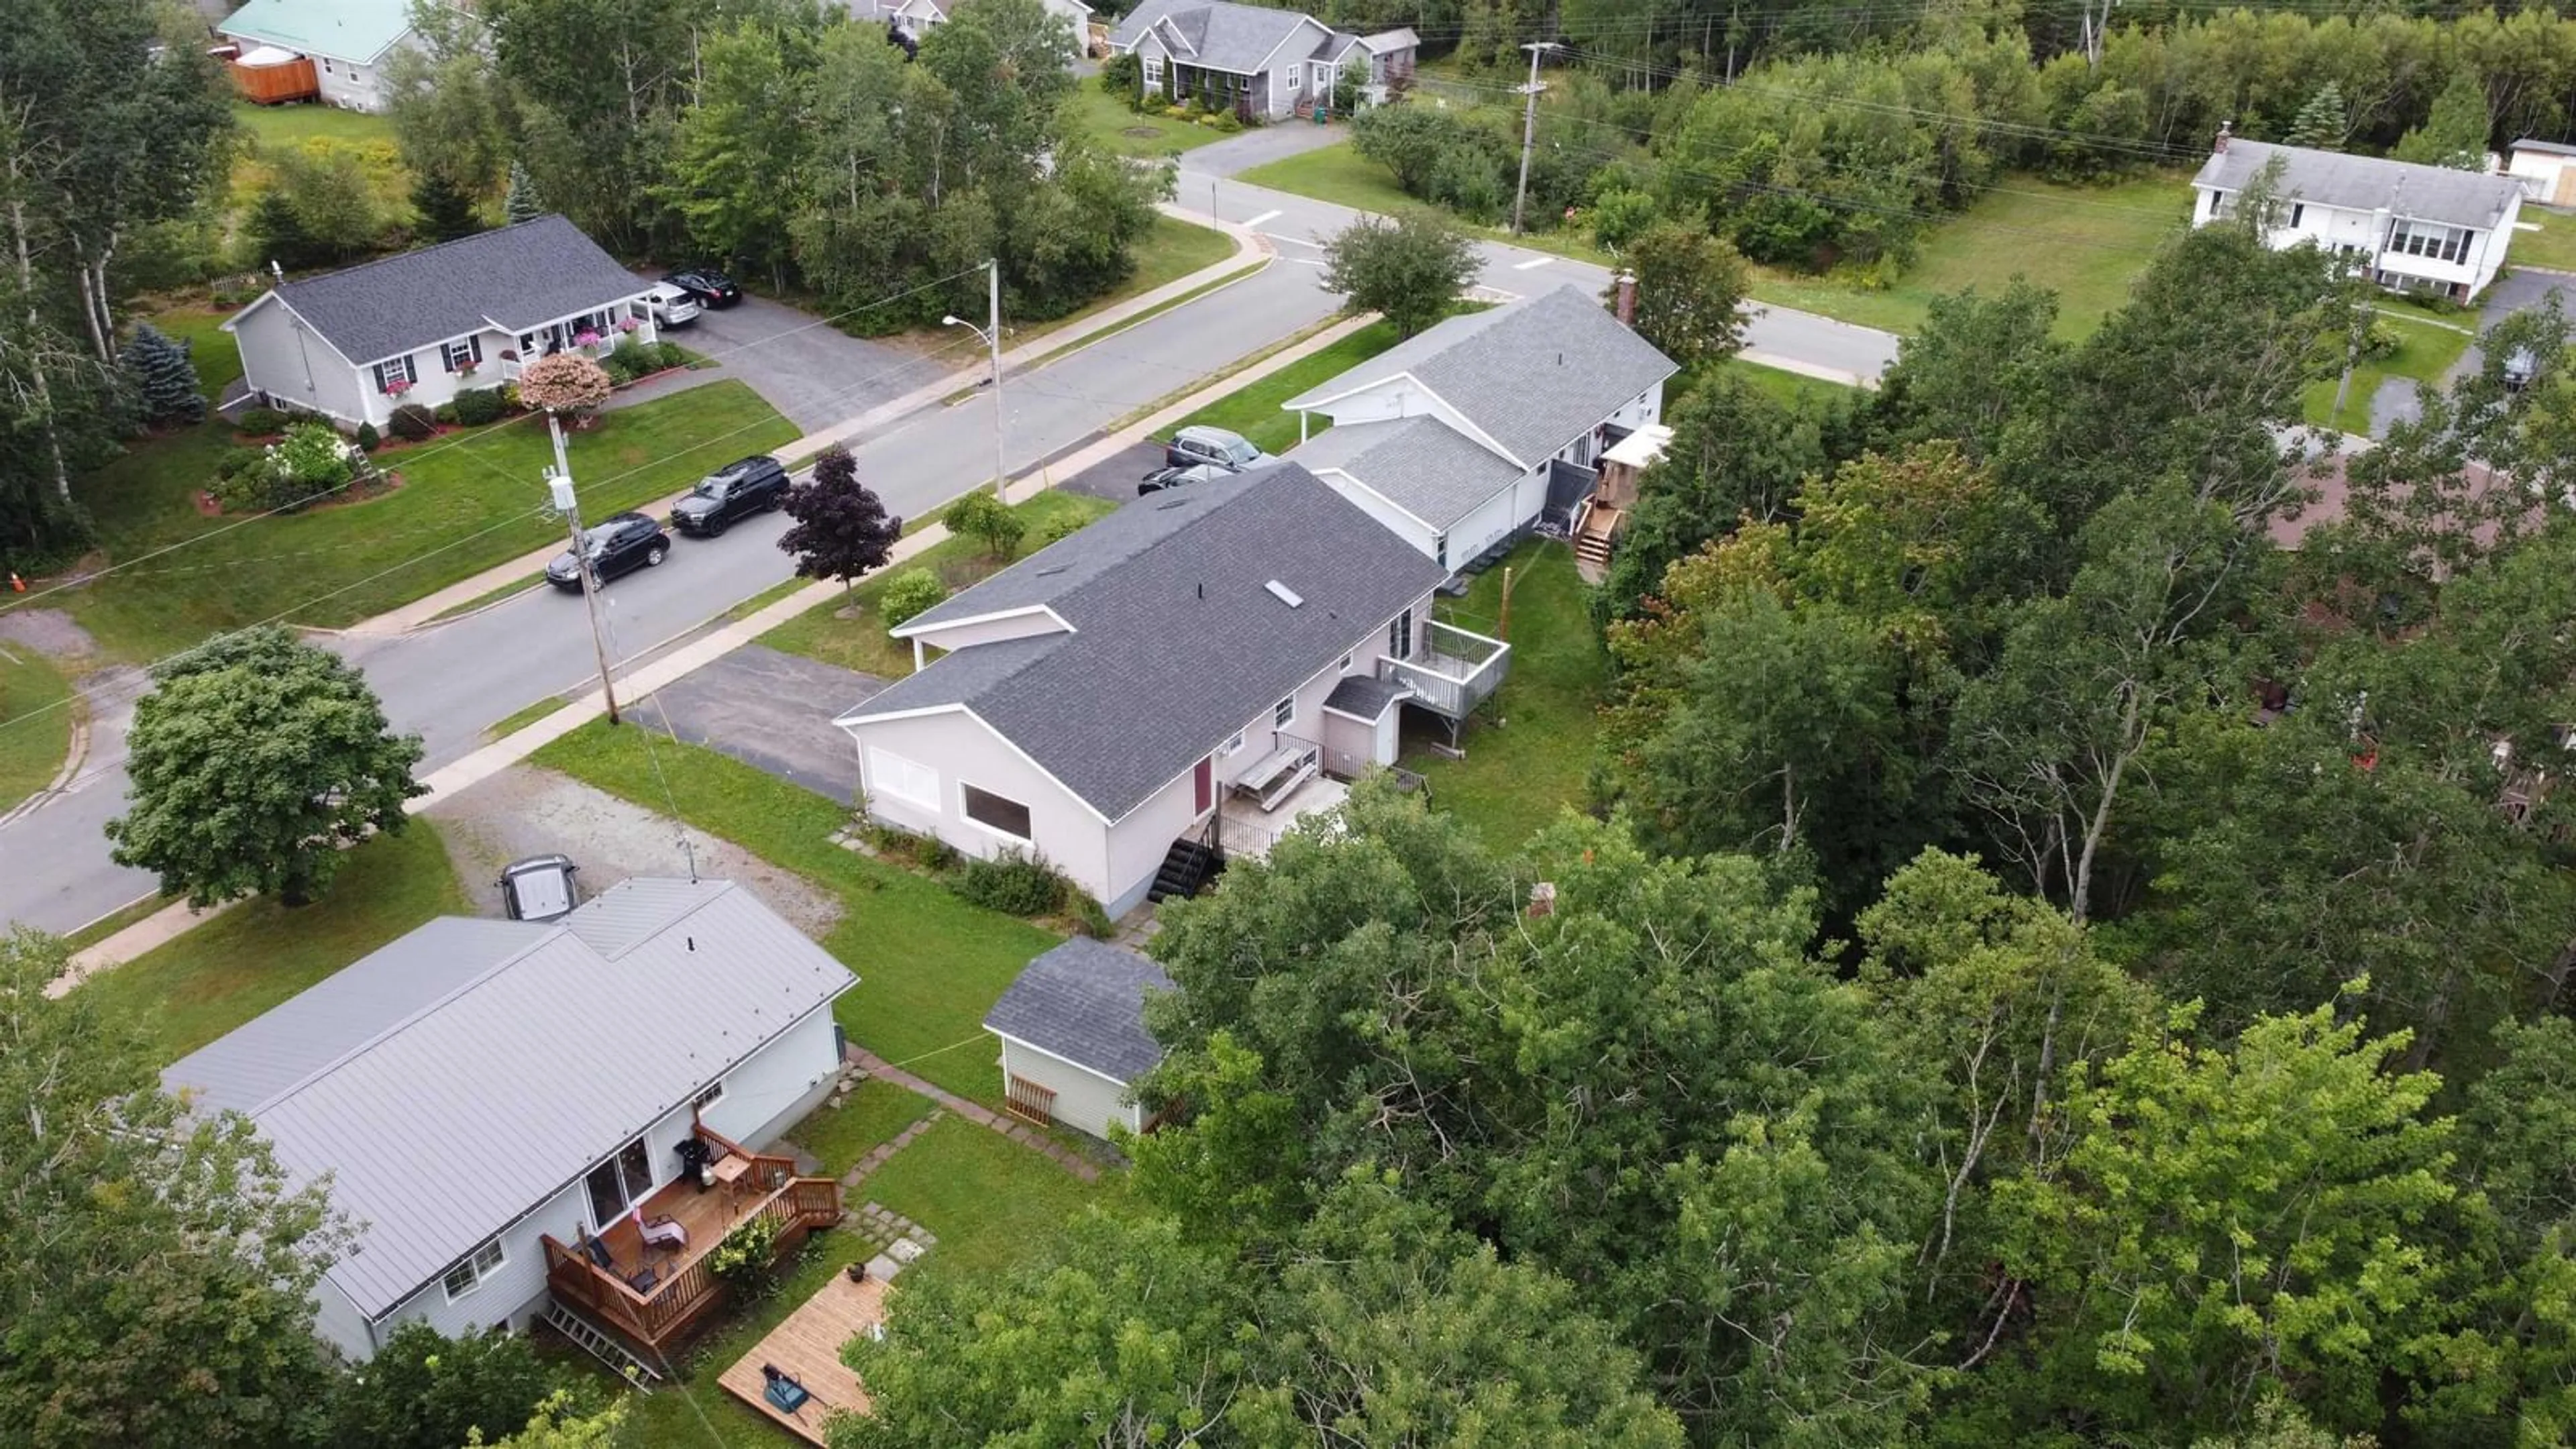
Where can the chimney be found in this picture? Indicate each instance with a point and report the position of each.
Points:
(1627, 308)
(2220, 149)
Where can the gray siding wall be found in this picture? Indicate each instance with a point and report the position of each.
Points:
(289, 361)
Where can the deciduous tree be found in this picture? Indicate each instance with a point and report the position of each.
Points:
(1409, 270)
(424, 1390)
(1690, 292)
(841, 531)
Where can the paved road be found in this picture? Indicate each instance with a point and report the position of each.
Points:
(453, 681)
(805, 367)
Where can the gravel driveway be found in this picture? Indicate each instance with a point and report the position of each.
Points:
(805, 367)
(528, 811)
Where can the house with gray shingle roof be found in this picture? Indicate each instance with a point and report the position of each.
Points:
(422, 326)
(1462, 438)
(1265, 64)
(1073, 1036)
(1179, 680)
(2405, 226)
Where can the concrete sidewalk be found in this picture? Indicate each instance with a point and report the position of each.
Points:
(1048, 346)
(641, 681)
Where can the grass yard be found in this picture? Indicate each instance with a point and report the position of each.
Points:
(859, 641)
(321, 130)
(2552, 246)
(275, 125)
(2426, 350)
(36, 715)
(1253, 409)
(988, 1199)
(256, 955)
(1520, 773)
(1342, 176)
(468, 501)
(1781, 384)
(840, 1136)
(1124, 133)
(929, 964)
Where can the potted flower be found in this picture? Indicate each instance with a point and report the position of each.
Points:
(627, 324)
(397, 387)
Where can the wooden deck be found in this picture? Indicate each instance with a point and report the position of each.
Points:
(807, 1348)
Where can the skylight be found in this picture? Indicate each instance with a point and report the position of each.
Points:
(1284, 594)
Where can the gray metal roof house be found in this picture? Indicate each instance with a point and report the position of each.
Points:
(1073, 1035)
(1104, 697)
(477, 1088)
(2406, 226)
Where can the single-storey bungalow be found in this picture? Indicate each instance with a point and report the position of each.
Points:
(420, 327)
(1467, 435)
(1265, 64)
(2405, 226)
(347, 41)
(2546, 170)
(1170, 685)
(550, 1122)
(1073, 1036)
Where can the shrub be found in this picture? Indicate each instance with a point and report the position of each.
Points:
(1060, 530)
(667, 355)
(414, 422)
(742, 1261)
(445, 413)
(311, 461)
(424, 1390)
(478, 405)
(909, 593)
(1618, 216)
(511, 402)
(2380, 341)
(1228, 122)
(230, 463)
(935, 853)
(1123, 76)
(1088, 915)
(635, 357)
(1176, 113)
(368, 438)
(989, 521)
(1014, 883)
(263, 422)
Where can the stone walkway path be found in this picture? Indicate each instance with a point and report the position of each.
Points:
(1035, 1139)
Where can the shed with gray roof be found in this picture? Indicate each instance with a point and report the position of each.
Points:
(1073, 1035)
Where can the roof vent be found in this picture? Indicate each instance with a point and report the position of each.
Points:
(1052, 570)
(1284, 594)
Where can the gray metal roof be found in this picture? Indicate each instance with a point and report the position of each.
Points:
(1533, 375)
(1085, 1002)
(516, 277)
(1365, 696)
(2365, 183)
(1222, 36)
(1420, 464)
(2545, 148)
(443, 1111)
(1176, 639)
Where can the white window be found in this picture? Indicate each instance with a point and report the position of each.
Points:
(1286, 711)
(467, 1276)
(1153, 72)
(897, 778)
(399, 370)
(2422, 239)
(1346, 664)
(1233, 746)
(461, 355)
(1440, 550)
(996, 813)
(708, 1098)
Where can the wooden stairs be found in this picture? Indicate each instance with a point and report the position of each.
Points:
(1596, 529)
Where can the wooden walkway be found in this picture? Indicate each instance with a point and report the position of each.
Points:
(807, 1348)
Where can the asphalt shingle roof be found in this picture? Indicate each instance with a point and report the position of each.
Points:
(1222, 36)
(446, 1108)
(1420, 464)
(1176, 639)
(1085, 1002)
(2545, 148)
(1532, 376)
(513, 277)
(357, 31)
(2365, 183)
(1364, 696)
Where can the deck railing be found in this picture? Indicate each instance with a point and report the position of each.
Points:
(1456, 670)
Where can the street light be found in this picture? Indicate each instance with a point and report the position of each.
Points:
(991, 335)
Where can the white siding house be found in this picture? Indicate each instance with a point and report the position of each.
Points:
(1267, 64)
(479, 1087)
(2410, 227)
(2546, 171)
(420, 327)
(1118, 692)
(348, 41)
(1073, 1036)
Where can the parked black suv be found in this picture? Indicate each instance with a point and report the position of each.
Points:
(1162, 478)
(617, 543)
(709, 286)
(736, 490)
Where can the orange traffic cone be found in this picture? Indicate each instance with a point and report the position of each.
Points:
(17, 585)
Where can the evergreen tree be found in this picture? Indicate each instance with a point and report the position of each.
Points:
(521, 203)
(2323, 122)
(2455, 134)
(841, 529)
(446, 211)
(163, 376)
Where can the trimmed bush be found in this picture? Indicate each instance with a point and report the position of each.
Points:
(414, 422)
(479, 405)
(230, 463)
(1013, 883)
(263, 422)
(445, 413)
(368, 438)
(668, 355)
(910, 593)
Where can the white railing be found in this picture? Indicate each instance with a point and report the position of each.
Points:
(1455, 670)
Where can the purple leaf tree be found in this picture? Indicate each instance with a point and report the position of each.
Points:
(841, 530)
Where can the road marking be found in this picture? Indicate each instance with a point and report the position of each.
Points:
(1258, 220)
(1294, 241)
(1532, 262)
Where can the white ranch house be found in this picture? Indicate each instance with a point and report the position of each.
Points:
(1175, 683)
(420, 327)
(1265, 64)
(501, 1108)
(2406, 227)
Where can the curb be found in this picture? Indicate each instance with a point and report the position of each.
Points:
(72, 761)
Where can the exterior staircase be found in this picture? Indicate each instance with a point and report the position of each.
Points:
(600, 1344)
(1187, 868)
(1596, 528)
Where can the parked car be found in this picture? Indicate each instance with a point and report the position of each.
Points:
(711, 287)
(736, 490)
(1162, 478)
(2520, 366)
(1230, 451)
(617, 544)
(540, 888)
(673, 305)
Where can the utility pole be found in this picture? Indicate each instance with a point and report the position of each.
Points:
(560, 482)
(993, 339)
(1529, 128)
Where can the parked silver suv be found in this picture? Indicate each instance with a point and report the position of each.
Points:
(1231, 451)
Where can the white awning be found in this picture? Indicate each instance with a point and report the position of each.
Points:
(267, 55)
(1640, 448)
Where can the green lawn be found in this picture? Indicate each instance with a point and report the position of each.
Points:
(986, 1198)
(468, 501)
(321, 129)
(256, 955)
(840, 1136)
(1341, 175)
(36, 715)
(2426, 350)
(273, 125)
(1529, 754)
(1125, 133)
(1786, 386)
(1253, 409)
(2552, 246)
(929, 964)
(859, 641)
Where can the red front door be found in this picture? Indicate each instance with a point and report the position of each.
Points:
(1205, 779)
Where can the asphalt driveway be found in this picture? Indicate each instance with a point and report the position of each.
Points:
(805, 367)
(773, 712)
(1115, 477)
(2519, 289)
